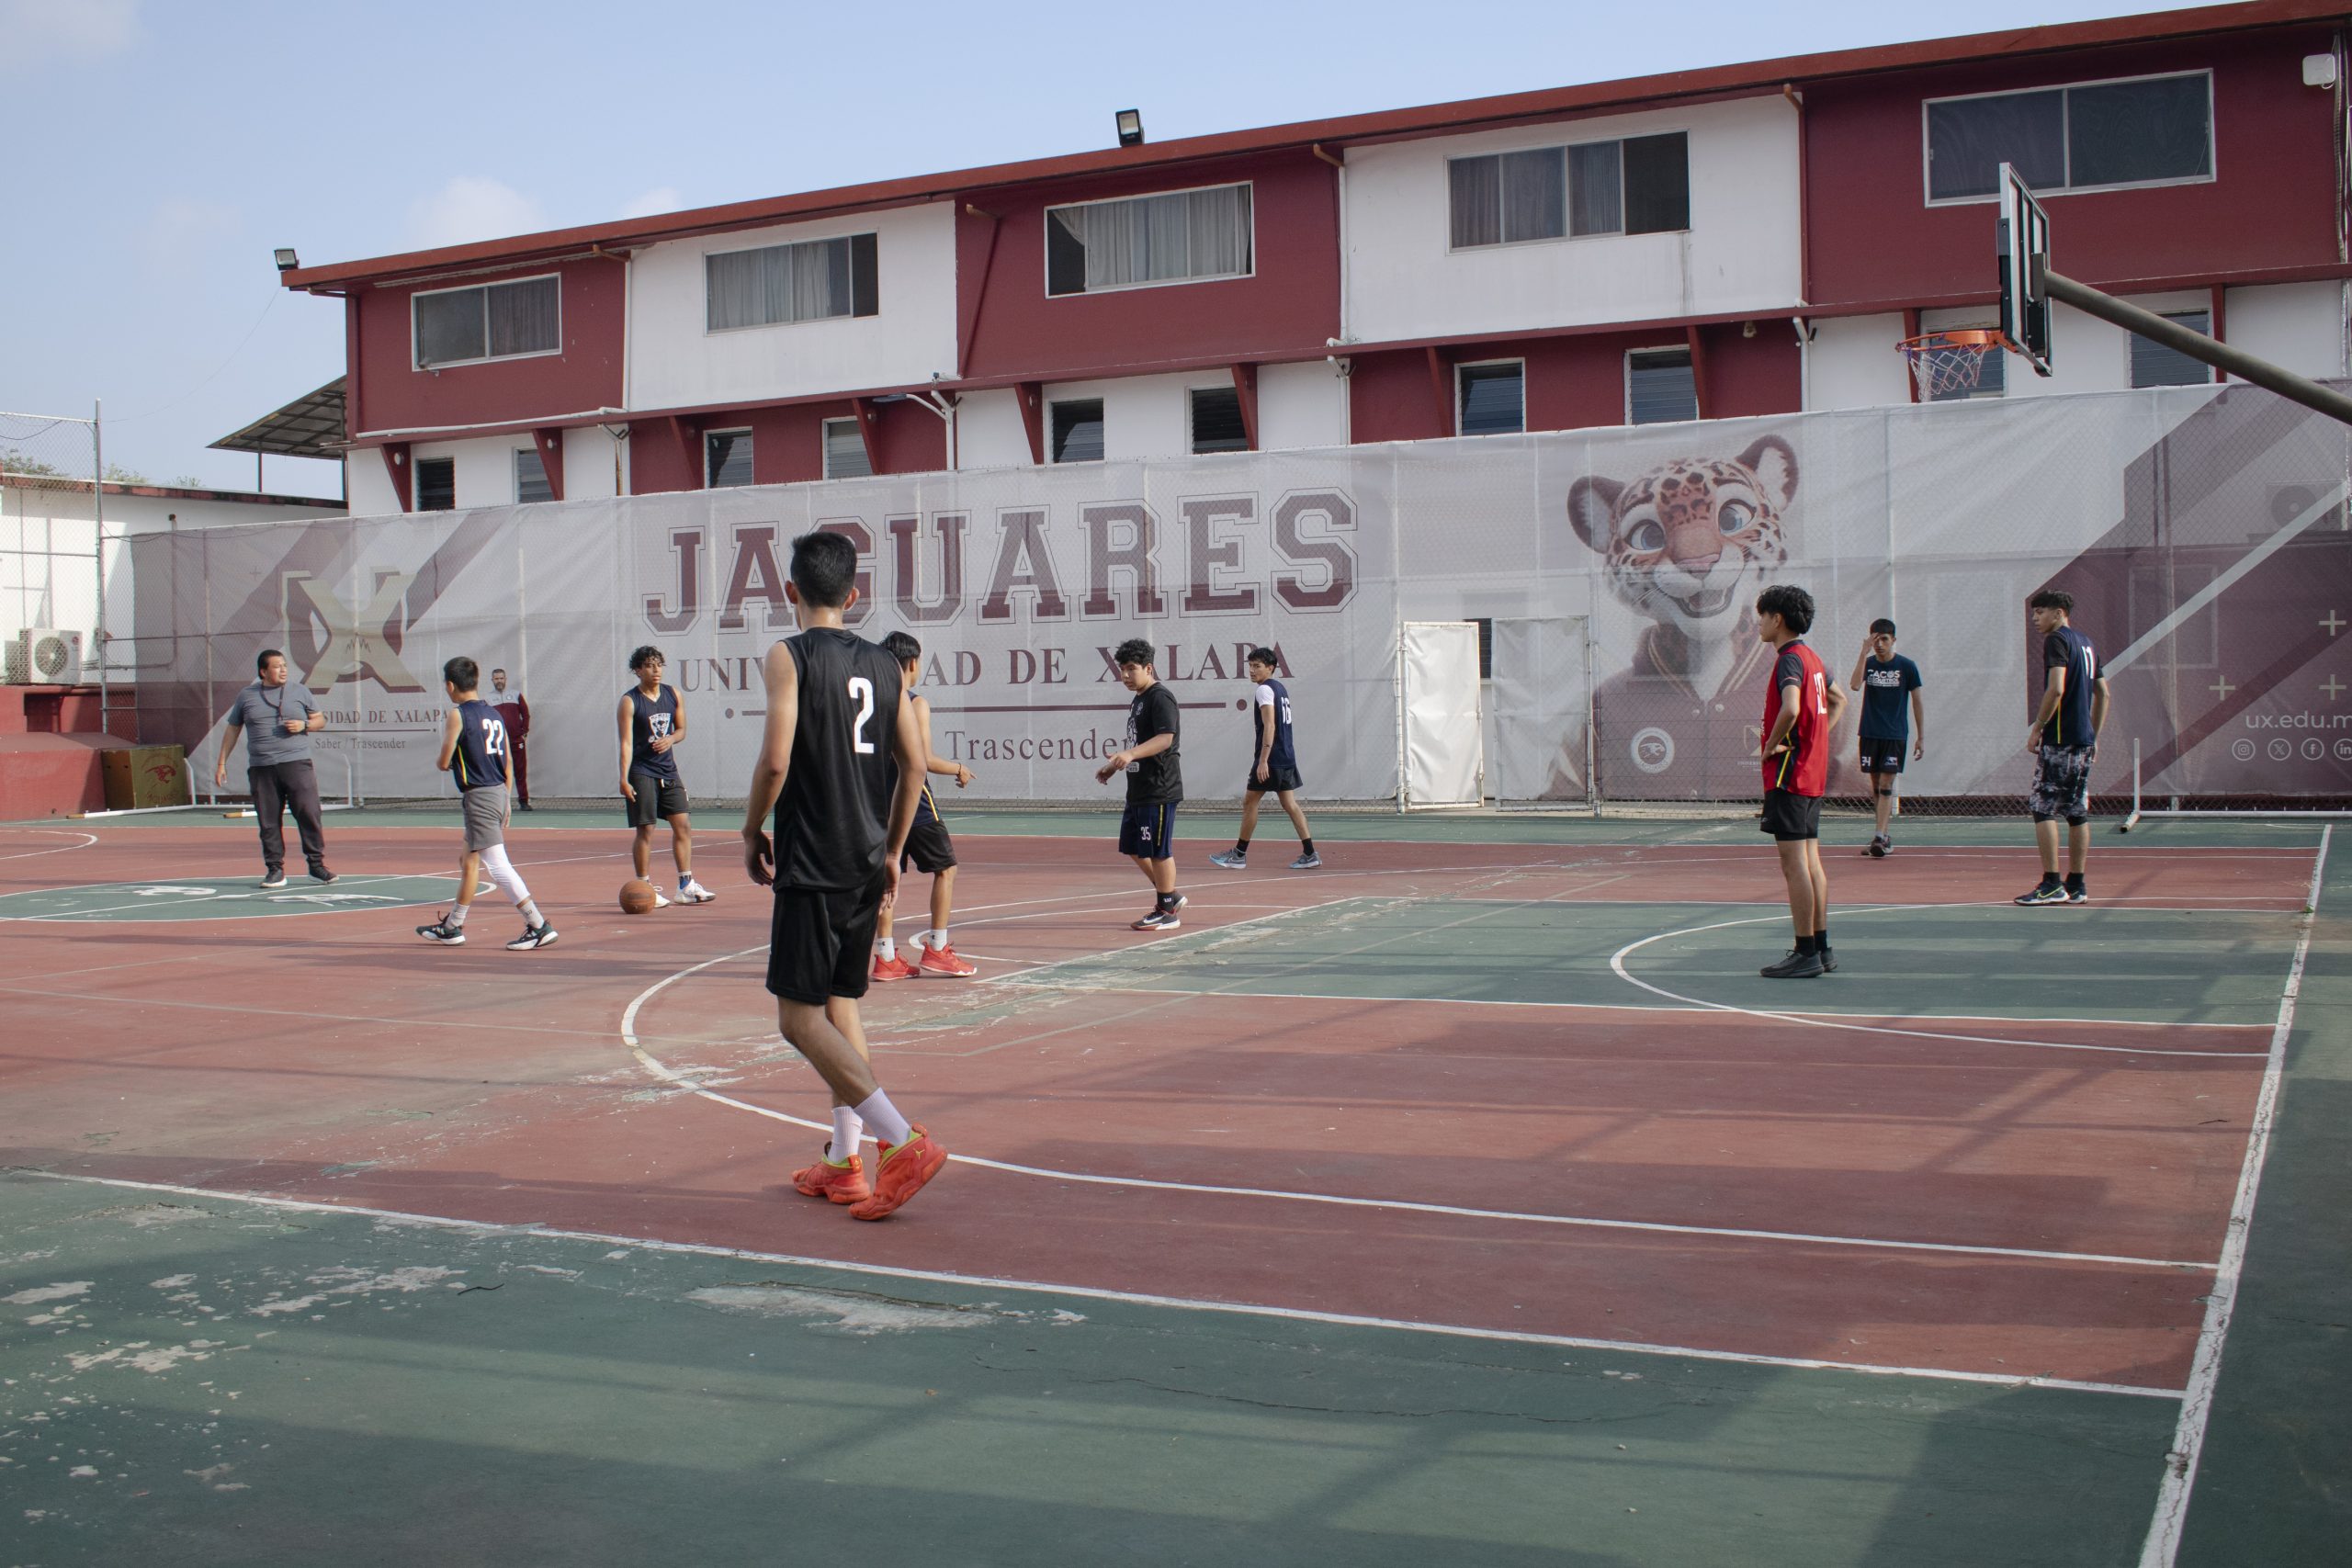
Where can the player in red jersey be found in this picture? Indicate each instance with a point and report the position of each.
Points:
(1801, 707)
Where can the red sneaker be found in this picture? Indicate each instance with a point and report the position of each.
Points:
(841, 1183)
(943, 961)
(901, 1173)
(894, 969)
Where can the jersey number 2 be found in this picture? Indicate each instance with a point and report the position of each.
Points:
(861, 691)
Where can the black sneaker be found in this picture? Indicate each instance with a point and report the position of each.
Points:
(1795, 966)
(1880, 845)
(319, 873)
(2049, 892)
(442, 931)
(539, 935)
(1828, 960)
(2077, 893)
(1163, 916)
(272, 877)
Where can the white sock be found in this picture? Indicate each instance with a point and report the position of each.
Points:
(845, 1136)
(888, 947)
(938, 939)
(456, 917)
(531, 915)
(877, 1113)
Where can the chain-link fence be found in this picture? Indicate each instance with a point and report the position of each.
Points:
(2201, 531)
(51, 568)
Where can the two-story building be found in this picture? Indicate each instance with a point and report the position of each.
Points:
(1736, 241)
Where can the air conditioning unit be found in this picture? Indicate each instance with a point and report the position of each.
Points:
(44, 656)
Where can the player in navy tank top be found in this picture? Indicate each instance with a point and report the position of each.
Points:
(475, 751)
(652, 721)
(1274, 766)
(838, 724)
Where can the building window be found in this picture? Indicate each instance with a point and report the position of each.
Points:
(1216, 421)
(2149, 130)
(1491, 399)
(812, 280)
(1077, 431)
(845, 456)
(491, 320)
(726, 458)
(1638, 186)
(1659, 387)
(437, 484)
(531, 476)
(1185, 236)
(2153, 365)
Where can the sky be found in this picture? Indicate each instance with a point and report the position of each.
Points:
(158, 152)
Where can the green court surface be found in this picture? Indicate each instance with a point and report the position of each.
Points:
(214, 898)
(215, 1382)
(2150, 966)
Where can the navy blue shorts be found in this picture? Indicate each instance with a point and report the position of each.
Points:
(1149, 830)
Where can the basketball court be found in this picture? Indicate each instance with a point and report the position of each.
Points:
(1469, 1196)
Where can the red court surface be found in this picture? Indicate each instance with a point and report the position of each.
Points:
(1962, 1195)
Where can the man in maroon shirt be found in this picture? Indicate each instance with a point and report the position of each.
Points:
(1801, 707)
(516, 714)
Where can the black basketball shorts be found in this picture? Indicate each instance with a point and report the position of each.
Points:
(1277, 780)
(820, 941)
(1790, 817)
(929, 849)
(1882, 756)
(657, 798)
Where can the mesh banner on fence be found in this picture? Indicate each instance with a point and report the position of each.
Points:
(2202, 532)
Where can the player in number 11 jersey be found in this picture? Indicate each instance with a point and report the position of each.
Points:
(837, 720)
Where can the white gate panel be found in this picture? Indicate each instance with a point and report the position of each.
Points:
(1444, 764)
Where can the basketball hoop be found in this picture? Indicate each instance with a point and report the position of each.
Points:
(1945, 365)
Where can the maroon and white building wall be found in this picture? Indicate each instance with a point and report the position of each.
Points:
(1739, 240)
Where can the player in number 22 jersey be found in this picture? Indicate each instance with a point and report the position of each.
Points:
(837, 721)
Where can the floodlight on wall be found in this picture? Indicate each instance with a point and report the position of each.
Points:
(287, 261)
(1130, 123)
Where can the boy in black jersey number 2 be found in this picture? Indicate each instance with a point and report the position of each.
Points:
(838, 722)
(2065, 743)
(480, 756)
(1155, 783)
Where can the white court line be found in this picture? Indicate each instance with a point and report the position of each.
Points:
(87, 839)
(1608, 1007)
(2205, 1368)
(662, 1070)
(1097, 1293)
(1822, 1020)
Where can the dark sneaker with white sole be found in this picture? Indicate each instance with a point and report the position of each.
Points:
(2049, 891)
(1795, 966)
(1828, 960)
(319, 873)
(272, 878)
(539, 935)
(2077, 893)
(1879, 846)
(442, 931)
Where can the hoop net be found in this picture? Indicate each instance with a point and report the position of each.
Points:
(1947, 365)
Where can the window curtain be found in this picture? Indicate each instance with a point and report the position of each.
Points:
(1597, 187)
(522, 318)
(1152, 239)
(1534, 195)
(1477, 189)
(806, 282)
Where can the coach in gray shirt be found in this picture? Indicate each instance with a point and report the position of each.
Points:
(278, 716)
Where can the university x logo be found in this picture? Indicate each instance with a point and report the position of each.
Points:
(331, 643)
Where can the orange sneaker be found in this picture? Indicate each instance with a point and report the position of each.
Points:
(943, 961)
(894, 969)
(899, 1174)
(841, 1183)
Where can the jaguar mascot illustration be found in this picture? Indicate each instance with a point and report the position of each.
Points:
(1688, 545)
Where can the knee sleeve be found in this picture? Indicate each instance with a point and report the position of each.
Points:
(502, 875)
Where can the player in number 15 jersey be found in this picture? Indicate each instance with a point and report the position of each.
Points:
(837, 720)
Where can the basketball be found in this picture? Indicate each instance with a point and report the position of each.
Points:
(637, 897)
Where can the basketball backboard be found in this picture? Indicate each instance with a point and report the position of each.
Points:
(2022, 241)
